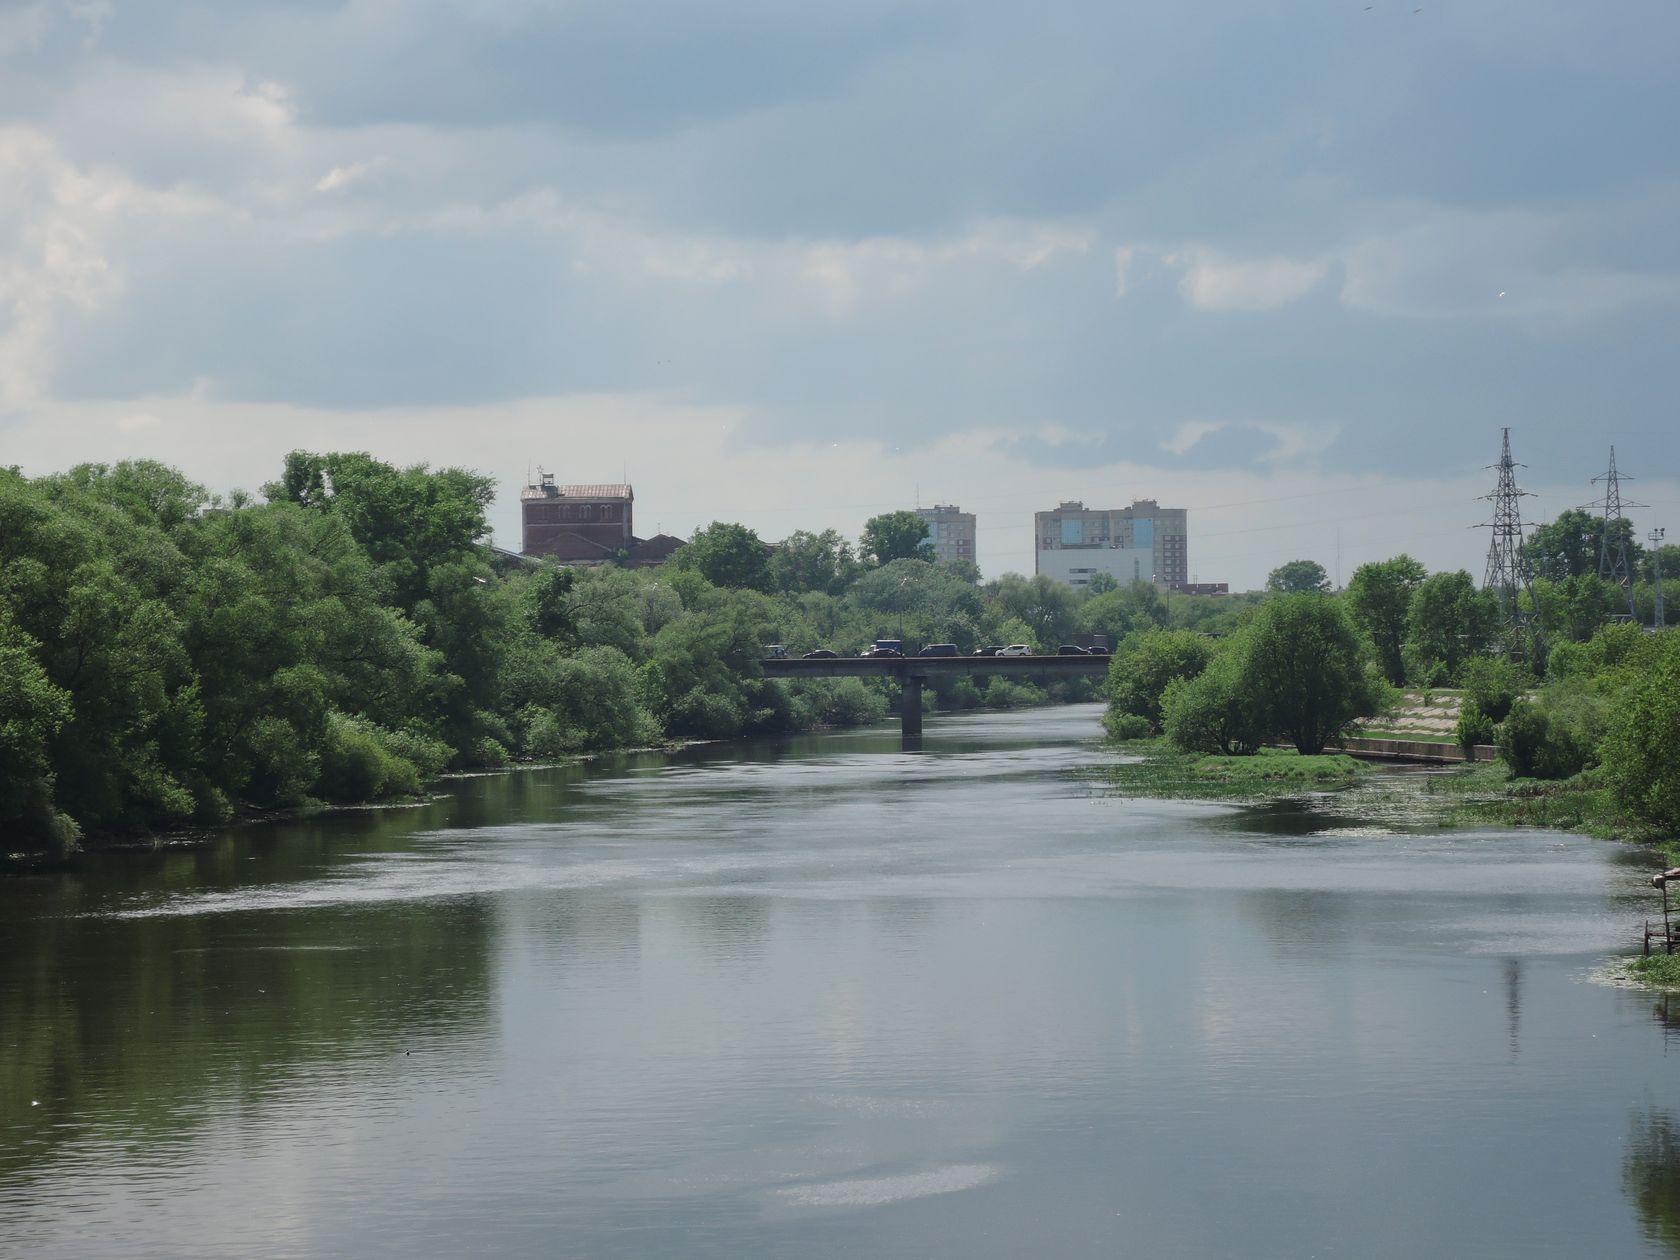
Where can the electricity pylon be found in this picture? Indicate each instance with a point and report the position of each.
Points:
(1508, 572)
(1613, 563)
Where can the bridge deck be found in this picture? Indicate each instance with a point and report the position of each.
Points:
(913, 671)
(901, 667)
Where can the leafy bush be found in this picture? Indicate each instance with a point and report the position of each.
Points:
(1213, 712)
(1639, 750)
(356, 765)
(1003, 693)
(1146, 663)
(1493, 684)
(1474, 727)
(1535, 745)
(1129, 725)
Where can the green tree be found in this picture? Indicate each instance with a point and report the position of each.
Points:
(1146, 663)
(1047, 606)
(895, 536)
(1575, 606)
(804, 562)
(1101, 583)
(408, 520)
(1214, 711)
(1379, 595)
(1448, 622)
(1493, 684)
(32, 712)
(1304, 670)
(726, 554)
(1297, 576)
(1120, 610)
(1569, 546)
(1638, 751)
(1664, 560)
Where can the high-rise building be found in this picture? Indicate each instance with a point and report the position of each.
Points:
(586, 524)
(1141, 543)
(950, 530)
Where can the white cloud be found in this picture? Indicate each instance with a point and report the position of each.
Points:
(1123, 255)
(1215, 283)
(55, 259)
(342, 176)
(1186, 435)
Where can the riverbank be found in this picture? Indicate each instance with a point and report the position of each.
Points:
(1157, 769)
(1465, 795)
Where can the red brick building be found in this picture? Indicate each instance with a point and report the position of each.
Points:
(587, 524)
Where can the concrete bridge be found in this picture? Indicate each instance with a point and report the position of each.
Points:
(913, 671)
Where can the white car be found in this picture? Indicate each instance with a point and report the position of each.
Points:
(1015, 649)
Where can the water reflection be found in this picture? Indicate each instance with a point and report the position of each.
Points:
(1651, 1175)
(822, 997)
(1513, 1004)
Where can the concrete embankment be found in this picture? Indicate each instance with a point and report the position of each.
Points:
(1415, 750)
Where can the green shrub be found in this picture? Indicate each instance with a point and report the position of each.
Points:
(1474, 727)
(1003, 693)
(1493, 684)
(1536, 746)
(1640, 760)
(1128, 725)
(1147, 662)
(1213, 712)
(356, 765)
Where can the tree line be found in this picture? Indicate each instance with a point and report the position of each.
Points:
(1590, 699)
(170, 658)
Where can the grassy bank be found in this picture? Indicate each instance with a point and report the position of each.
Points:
(1163, 771)
(1660, 971)
(1484, 794)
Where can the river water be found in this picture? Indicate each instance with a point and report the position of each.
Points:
(824, 998)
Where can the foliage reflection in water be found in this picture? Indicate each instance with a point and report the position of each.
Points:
(828, 996)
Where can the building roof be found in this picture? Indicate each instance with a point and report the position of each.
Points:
(599, 491)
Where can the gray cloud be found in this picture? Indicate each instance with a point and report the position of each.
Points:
(882, 221)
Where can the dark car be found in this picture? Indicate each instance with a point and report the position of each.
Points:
(821, 654)
(989, 650)
(939, 649)
(882, 651)
(1072, 649)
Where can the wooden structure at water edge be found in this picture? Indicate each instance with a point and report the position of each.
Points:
(1666, 933)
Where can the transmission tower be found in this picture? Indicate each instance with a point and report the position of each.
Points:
(1508, 573)
(1613, 564)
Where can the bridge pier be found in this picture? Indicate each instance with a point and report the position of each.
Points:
(910, 705)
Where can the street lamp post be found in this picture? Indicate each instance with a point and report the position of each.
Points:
(1656, 537)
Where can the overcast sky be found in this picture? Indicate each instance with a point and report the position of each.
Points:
(1291, 266)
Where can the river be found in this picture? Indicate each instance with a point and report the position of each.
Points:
(828, 998)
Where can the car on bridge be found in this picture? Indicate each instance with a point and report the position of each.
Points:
(1015, 649)
(939, 649)
(988, 650)
(821, 654)
(1072, 649)
(876, 652)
